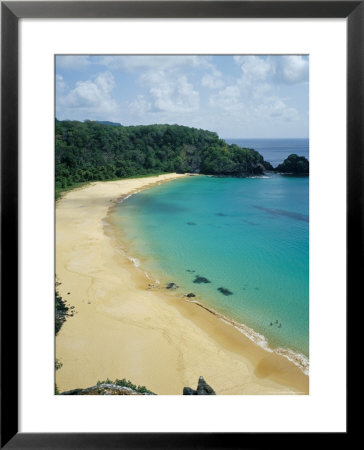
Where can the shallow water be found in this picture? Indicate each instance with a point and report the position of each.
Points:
(248, 237)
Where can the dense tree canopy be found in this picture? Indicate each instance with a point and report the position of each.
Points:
(297, 165)
(90, 151)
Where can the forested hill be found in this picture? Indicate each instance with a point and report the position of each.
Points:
(90, 151)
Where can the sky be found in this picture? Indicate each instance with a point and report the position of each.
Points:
(237, 96)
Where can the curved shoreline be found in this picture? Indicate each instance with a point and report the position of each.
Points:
(162, 343)
(297, 358)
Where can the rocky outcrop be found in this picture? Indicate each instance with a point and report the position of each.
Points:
(104, 389)
(202, 389)
(295, 165)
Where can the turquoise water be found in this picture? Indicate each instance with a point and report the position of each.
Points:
(249, 236)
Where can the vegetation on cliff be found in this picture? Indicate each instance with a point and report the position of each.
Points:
(126, 387)
(105, 389)
(294, 164)
(62, 310)
(93, 151)
(108, 387)
(127, 383)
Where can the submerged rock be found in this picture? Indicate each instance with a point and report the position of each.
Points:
(224, 291)
(202, 389)
(190, 295)
(200, 280)
(172, 286)
(191, 223)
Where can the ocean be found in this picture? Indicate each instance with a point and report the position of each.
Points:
(275, 151)
(245, 239)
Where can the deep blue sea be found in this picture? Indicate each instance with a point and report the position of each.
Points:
(275, 151)
(249, 237)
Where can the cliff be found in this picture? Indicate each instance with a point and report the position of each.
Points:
(123, 387)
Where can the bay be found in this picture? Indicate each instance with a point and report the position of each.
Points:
(249, 238)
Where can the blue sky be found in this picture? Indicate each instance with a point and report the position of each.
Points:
(247, 96)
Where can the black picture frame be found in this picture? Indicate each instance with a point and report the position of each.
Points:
(11, 12)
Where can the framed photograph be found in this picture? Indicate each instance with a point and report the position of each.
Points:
(184, 179)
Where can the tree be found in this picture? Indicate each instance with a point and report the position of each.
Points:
(294, 164)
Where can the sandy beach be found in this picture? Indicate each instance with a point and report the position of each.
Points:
(123, 329)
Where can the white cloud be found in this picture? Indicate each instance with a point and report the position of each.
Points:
(213, 80)
(256, 75)
(175, 95)
(294, 68)
(275, 108)
(227, 99)
(255, 96)
(72, 62)
(170, 92)
(91, 98)
(153, 62)
(140, 106)
(241, 107)
(60, 83)
(278, 69)
(166, 78)
(255, 68)
(261, 95)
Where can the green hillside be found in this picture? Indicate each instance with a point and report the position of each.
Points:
(91, 151)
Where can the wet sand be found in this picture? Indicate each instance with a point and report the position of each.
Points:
(124, 329)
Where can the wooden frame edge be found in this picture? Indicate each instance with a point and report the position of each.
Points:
(11, 13)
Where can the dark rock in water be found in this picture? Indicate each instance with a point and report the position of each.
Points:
(189, 391)
(172, 286)
(224, 291)
(202, 389)
(200, 280)
(191, 223)
(191, 294)
(190, 270)
(221, 214)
